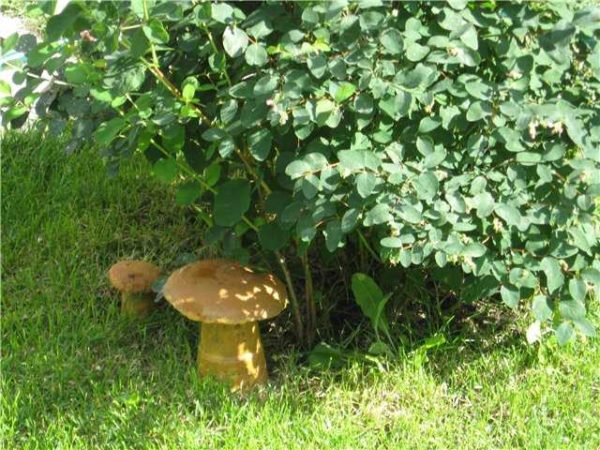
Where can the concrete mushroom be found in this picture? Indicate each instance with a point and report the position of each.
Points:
(134, 280)
(229, 300)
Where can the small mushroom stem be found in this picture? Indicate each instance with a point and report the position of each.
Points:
(232, 353)
(138, 304)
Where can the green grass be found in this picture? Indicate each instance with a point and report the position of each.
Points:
(76, 375)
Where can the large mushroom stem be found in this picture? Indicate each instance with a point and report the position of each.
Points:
(232, 353)
(138, 304)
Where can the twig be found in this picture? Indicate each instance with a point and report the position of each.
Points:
(293, 298)
(310, 300)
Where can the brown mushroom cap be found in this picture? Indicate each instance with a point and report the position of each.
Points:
(133, 276)
(222, 291)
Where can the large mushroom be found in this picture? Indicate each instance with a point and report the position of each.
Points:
(229, 300)
(134, 280)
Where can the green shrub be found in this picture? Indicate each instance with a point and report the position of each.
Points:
(461, 137)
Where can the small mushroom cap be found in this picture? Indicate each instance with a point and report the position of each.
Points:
(222, 291)
(133, 276)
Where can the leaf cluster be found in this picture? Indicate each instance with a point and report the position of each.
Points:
(459, 136)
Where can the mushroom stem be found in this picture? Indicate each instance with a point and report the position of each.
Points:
(232, 353)
(137, 304)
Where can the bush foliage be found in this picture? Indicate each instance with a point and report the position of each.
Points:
(463, 137)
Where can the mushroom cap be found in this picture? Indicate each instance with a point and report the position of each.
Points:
(223, 291)
(133, 276)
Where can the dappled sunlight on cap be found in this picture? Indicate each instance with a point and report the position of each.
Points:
(222, 291)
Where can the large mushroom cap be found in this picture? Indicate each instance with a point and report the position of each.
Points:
(222, 291)
(133, 276)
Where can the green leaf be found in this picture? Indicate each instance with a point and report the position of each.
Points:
(478, 111)
(333, 235)
(416, 52)
(297, 169)
(447, 114)
(323, 110)
(272, 237)
(458, 4)
(369, 297)
(265, 85)
(554, 276)
(469, 37)
(397, 106)
(231, 202)
(349, 220)
(529, 158)
(363, 104)
(317, 65)
(235, 41)
(221, 12)
(577, 289)
(187, 193)
(512, 139)
(310, 186)
(509, 214)
(14, 113)
(474, 250)
(425, 145)
(358, 159)
(256, 55)
(409, 213)
(156, 32)
(306, 228)
(427, 186)
(344, 91)
(212, 174)
(107, 131)
(137, 7)
(59, 24)
(585, 327)
(540, 308)
(484, 204)
(226, 147)
(77, 73)
(580, 240)
(419, 78)
(165, 170)
(365, 183)
(435, 158)
(510, 296)
(370, 20)
(228, 111)
(259, 144)
(377, 215)
(392, 41)
(214, 134)
(591, 275)
(483, 91)
(392, 242)
(5, 88)
(564, 333)
(572, 309)
(139, 43)
(188, 88)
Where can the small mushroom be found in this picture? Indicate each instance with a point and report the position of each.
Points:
(229, 300)
(134, 280)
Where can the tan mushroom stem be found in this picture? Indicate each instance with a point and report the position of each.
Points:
(232, 353)
(137, 304)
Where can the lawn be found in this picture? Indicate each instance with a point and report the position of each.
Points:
(76, 375)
